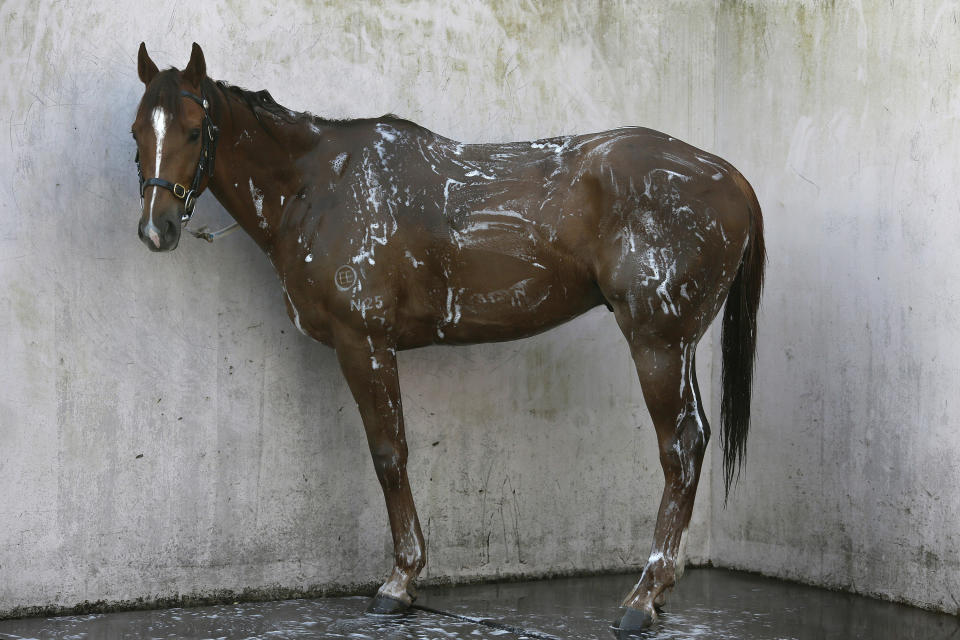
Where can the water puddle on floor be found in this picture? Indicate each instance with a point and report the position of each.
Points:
(709, 604)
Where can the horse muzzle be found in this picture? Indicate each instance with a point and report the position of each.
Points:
(160, 235)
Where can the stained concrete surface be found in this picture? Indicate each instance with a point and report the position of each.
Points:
(843, 115)
(837, 112)
(708, 603)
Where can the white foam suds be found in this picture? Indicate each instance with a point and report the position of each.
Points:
(416, 263)
(257, 196)
(339, 162)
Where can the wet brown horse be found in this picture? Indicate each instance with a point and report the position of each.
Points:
(386, 236)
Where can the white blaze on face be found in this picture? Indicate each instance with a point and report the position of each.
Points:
(159, 117)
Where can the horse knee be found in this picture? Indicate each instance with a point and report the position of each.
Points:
(390, 463)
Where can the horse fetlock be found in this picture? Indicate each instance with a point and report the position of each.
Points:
(647, 599)
(658, 577)
(399, 586)
(396, 595)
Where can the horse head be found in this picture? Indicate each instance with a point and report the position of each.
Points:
(176, 140)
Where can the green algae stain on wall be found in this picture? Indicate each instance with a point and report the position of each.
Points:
(744, 28)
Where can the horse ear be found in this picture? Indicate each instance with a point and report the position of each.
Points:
(197, 67)
(146, 69)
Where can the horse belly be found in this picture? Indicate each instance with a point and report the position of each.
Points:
(501, 294)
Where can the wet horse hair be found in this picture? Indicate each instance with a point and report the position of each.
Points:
(386, 236)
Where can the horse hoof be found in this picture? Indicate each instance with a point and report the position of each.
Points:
(633, 623)
(382, 605)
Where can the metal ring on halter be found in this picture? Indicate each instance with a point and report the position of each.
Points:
(189, 203)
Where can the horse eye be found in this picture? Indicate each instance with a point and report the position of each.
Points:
(194, 135)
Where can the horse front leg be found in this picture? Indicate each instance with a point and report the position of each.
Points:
(370, 367)
(669, 382)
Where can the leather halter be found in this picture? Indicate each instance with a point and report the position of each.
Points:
(209, 134)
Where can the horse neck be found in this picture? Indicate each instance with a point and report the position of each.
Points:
(255, 172)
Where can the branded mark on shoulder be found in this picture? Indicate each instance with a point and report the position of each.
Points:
(345, 278)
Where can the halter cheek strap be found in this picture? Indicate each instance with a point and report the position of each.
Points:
(208, 148)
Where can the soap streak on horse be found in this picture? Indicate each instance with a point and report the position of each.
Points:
(387, 236)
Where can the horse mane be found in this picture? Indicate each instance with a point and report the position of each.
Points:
(261, 101)
(164, 91)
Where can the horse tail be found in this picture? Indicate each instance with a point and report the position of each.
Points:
(738, 344)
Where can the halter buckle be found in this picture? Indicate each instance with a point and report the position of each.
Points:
(179, 190)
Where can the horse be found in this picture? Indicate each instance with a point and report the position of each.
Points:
(386, 236)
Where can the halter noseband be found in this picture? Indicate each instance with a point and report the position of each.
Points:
(208, 148)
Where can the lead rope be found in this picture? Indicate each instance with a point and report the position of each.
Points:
(210, 236)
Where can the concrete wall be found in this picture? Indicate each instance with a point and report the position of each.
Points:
(164, 430)
(846, 117)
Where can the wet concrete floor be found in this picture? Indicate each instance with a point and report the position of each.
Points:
(712, 604)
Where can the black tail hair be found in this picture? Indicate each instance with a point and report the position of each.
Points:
(739, 341)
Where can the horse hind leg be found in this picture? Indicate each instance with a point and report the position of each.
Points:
(668, 379)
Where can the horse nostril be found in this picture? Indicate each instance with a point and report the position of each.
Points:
(140, 231)
(169, 230)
